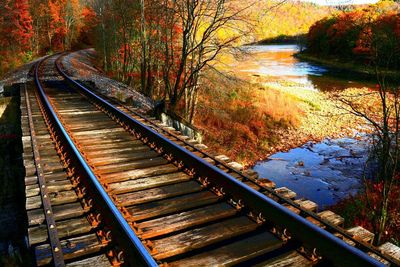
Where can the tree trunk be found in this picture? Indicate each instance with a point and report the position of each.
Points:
(143, 48)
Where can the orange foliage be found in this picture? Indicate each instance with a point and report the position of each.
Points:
(57, 23)
(364, 33)
(29, 28)
(15, 32)
(15, 24)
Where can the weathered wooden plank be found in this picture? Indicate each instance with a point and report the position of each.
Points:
(117, 151)
(361, 233)
(235, 165)
(120, 143)
(111, 159)
(149, 182)
(160, 192)
(76, 226)
(58, 186)
(139, 173)
(61, 212)
(201, 237)
(331, 217)
(32, 190)
(172, 205)
(252, 185)
(293, 209)
(292, 259)
(30, 180)
(266, 182)
(48, 170)
(54, 186)
(96, 261)
(56, 198)
(71, 248)
(90, 125)
(233, 253)
(139, 164)
(105, 140)
(286, 192)
(391, 250)
(251, 173)
(307, 204)
(99, 132)
(184, 220)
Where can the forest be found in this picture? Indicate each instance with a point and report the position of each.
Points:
(359, 35)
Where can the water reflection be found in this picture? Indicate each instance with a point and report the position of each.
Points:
(277, 62)
(322, 172)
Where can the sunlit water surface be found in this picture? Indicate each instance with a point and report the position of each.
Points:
(277, 62)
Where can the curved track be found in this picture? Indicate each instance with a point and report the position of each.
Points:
(153, 202)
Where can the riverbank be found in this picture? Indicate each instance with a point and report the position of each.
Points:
(259, 116)
(267, 101)
(365, 71)
(282, 39)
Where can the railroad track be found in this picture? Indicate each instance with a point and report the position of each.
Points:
(108, 186)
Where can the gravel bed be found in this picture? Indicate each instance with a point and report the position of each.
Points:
(81, 66)
(19, 75)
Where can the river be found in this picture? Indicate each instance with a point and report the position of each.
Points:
(324, 172)
(278, 62)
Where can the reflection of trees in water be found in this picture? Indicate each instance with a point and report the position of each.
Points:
(338, 81)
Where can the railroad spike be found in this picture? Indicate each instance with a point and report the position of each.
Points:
(113, 258)
(190, 172)
(121, 256)
(180, 165)
(260, 218)
(169, 157)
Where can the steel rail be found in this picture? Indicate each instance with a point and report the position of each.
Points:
(334, 249)
(268, 190)
(134, 251)
(55, 245)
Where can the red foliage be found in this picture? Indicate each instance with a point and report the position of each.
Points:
(90, 21)
(57, 24)
(16, 24)
(357, 211)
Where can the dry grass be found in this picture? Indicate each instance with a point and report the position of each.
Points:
(241, 119)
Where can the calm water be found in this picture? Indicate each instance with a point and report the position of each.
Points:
(323, 172)
(277, 62)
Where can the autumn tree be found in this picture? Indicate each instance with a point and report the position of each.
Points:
(89, 23)
(206, 28)
(73, 22)
(380, 108)
(15, 25)
(15, 33)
